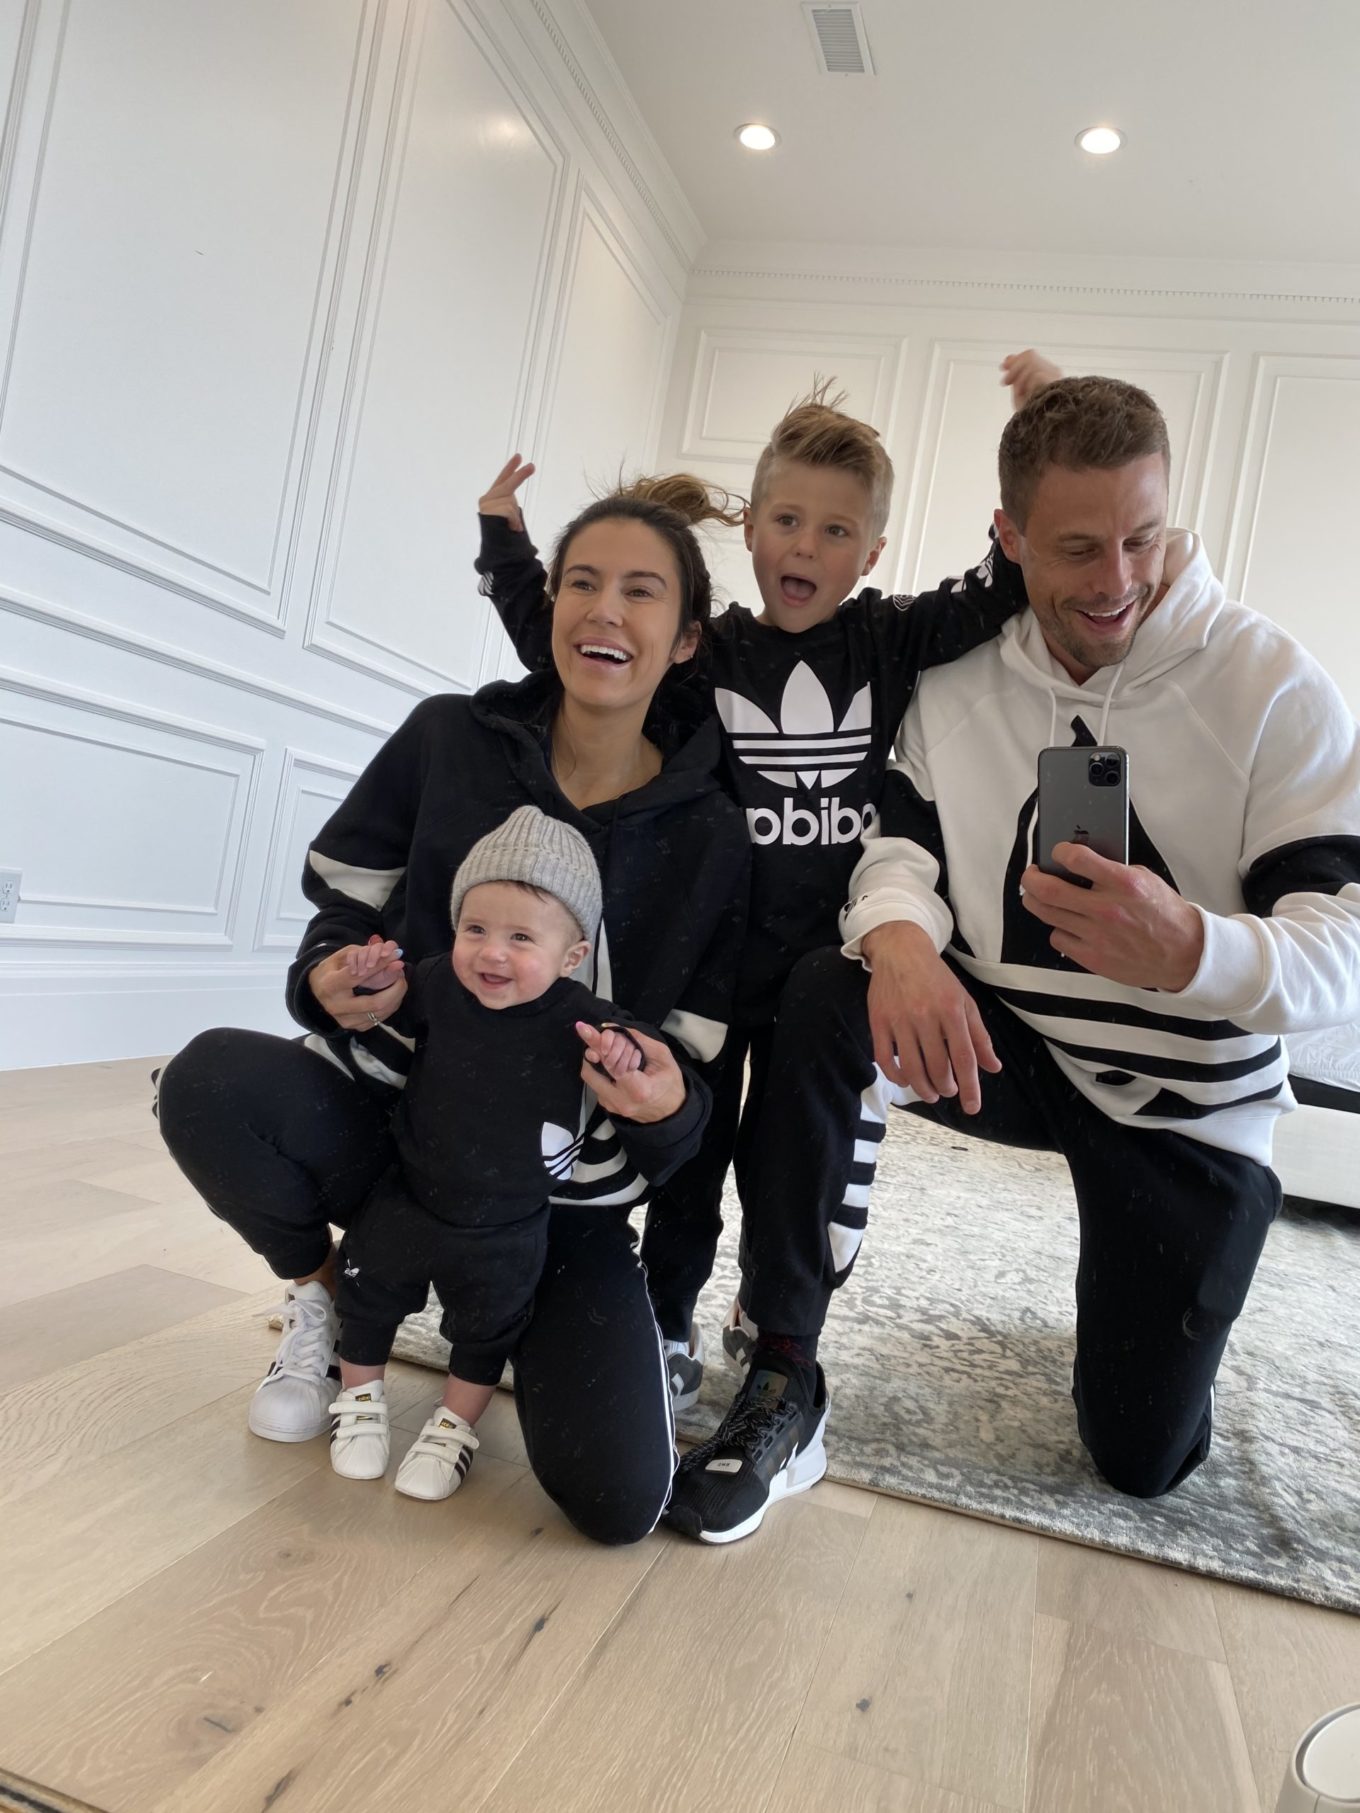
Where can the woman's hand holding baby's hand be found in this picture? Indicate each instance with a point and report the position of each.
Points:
(376, 967)
(644, 1085)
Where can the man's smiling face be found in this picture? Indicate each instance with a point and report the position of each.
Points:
(1092, 550)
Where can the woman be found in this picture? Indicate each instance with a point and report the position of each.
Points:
(285, 1138)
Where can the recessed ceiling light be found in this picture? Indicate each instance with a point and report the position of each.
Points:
(756, 137)
(1100, 141)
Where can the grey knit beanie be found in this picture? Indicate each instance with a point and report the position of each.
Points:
(545, 853)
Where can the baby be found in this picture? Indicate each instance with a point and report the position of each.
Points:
(490, 1120)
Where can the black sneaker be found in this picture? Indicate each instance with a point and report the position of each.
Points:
(767, 1447)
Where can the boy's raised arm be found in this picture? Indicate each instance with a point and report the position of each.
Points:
(960, 614)
(512, 575)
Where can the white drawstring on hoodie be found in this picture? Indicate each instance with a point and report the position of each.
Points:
(1115, 672)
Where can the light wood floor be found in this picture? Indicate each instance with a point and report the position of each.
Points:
(195, 1621)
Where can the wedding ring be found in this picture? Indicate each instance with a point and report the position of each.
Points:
(373, 1019)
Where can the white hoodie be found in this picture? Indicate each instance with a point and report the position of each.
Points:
(1244, 777)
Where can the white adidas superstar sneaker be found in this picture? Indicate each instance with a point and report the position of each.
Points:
(292, 1401)
(437, 1461)
(360, 1438)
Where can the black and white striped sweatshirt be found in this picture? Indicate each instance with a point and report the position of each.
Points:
(808, 720)
(674, 866)
(1244, 772)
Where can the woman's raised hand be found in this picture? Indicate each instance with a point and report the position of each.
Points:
(499, 498)
(646, 1088)
(375, 967)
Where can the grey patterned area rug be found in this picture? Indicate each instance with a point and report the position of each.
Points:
(949, 1357)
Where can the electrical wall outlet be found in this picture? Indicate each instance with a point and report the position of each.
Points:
(9, 895)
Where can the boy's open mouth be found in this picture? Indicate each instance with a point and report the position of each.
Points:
(796, 591)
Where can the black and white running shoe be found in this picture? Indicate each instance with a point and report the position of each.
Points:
(767, 1447)
(685, 1369)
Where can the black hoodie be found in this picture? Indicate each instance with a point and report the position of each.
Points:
(808, 724)
(673, 855)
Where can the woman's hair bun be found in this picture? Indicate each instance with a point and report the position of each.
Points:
(692, 498)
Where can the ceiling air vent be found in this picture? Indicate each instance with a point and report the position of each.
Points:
(838, 35)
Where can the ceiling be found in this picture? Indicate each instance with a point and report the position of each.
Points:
(1240, 120)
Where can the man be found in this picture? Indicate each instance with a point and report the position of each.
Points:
(1132, 1023)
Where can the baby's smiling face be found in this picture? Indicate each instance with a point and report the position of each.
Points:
(513, 942)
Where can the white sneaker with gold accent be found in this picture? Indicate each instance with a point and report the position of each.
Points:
(437, 1461)
(360, 1440)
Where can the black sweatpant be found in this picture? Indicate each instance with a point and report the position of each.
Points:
(281, 1145)
(1171, 1229)
(486, 1278)
(684, 1216)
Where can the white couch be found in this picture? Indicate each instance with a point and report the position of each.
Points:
(1317, 1148)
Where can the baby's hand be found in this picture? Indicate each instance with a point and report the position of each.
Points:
(359, 985)
(374, 965)
(610, 1049)
(650, 1089)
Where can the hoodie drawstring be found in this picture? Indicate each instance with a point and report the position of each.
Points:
(1109, 701)
(1104, 710)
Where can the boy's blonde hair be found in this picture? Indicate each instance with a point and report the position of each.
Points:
(817, 432)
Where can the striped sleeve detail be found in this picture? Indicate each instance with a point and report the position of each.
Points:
(1311, 865)
(702, 1038)
(373, 887)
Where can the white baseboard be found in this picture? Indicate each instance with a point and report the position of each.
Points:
(96, 1015)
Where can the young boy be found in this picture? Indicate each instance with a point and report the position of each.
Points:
(488, 1120)
(810, 692)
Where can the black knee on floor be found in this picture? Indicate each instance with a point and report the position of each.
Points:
(1143, 1472)
(615, 1523)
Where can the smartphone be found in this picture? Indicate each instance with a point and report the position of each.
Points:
(1083, 799)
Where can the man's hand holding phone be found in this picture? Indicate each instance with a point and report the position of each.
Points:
(927, 1031)
(1125, 924)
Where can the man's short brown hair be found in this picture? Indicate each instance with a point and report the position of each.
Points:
(1076, 423)
(816, 432)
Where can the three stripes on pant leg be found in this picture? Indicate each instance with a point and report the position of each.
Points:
(845, 1230)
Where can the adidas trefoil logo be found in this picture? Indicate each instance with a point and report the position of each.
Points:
(807, 745)
(984, 571)
(560, 1150)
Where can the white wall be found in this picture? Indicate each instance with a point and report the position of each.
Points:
(281, 285)
(1258, 371)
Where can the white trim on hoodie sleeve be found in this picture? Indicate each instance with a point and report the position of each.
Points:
(896, 878)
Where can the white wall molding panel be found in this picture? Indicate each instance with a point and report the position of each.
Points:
(1260, 385)
(1294, 505)
(280, 288)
